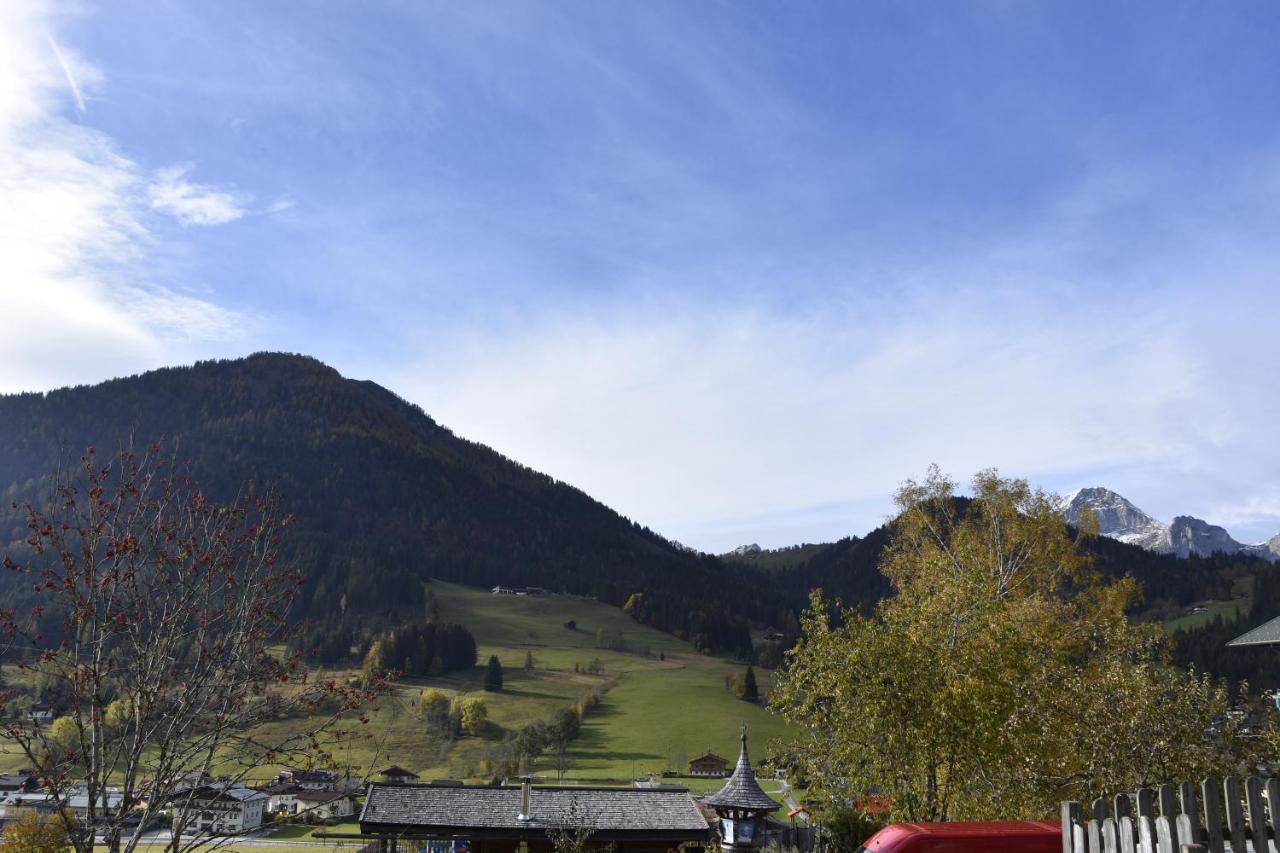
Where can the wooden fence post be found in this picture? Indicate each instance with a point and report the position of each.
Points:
(1211, 792)
(1071, 814)
(1272, 793)
(1165, 836)
(1168, 808)
(1187, 798)
(1235, 815)
(1146, 834)
(1097, 816)
(1126, 835)
(1110, 837)
(1257, 816)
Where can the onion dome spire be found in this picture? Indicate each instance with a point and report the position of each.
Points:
(742, 791)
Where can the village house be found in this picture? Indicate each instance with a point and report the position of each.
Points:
(21, 782)
(504, 819)
(709, 764)
(322, 806)
(282, 797)
(76, 802)
(42, 713)
(12, 805)
(223, 808)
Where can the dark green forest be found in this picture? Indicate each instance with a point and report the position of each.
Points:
(386, 498)
(383, 495)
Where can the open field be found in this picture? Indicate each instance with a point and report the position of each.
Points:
(1212, 609)
(656, 713)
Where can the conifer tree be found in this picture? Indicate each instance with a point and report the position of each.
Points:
(750, 692)
(493, 675)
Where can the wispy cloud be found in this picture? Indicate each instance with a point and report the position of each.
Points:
(76, 244)
(67, 72)
(191, 203)
(721, 422)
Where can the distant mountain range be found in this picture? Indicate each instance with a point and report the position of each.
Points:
(1119, 519)
(385, 497)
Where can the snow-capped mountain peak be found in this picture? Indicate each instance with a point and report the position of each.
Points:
(1118, 518)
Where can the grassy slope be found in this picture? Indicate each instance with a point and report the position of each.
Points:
(653, 712)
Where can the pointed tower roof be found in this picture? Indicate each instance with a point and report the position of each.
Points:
(742, 791)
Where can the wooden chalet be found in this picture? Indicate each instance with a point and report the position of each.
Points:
(709, 764)
(397, 774)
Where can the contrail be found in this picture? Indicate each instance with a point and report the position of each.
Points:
(71, 78)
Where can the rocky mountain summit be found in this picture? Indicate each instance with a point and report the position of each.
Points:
(1118, 518)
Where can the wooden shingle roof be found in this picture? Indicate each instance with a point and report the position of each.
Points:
(428, 808)
(742, 791)
(1266, 634)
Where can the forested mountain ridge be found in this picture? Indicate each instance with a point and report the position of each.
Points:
(385, 497)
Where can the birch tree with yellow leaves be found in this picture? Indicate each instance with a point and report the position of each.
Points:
(1000, 676)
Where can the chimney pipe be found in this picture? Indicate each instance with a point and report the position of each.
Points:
(526, 792)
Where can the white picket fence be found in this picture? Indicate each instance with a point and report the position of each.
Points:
(1225, 817)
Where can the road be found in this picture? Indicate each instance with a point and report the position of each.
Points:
(791, 800)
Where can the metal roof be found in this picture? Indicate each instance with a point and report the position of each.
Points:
(1265, 634)
(742, 791)
(427, 807)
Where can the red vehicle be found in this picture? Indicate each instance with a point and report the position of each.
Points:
(997, 836)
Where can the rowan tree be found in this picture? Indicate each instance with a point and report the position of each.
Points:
(168, 610)
(1000, 676)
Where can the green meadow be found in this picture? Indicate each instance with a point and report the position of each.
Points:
(663, 701)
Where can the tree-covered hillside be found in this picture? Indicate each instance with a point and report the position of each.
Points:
(384, 496)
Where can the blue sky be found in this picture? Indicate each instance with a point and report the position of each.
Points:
(736, 269)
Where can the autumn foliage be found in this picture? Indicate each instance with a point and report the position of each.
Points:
(160, 615)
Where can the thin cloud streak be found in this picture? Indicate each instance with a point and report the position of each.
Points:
(71, 77)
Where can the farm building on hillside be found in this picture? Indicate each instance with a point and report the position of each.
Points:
(500, 819)
(42, 713)
(709, 764)
(519, 590)
(397, 774)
